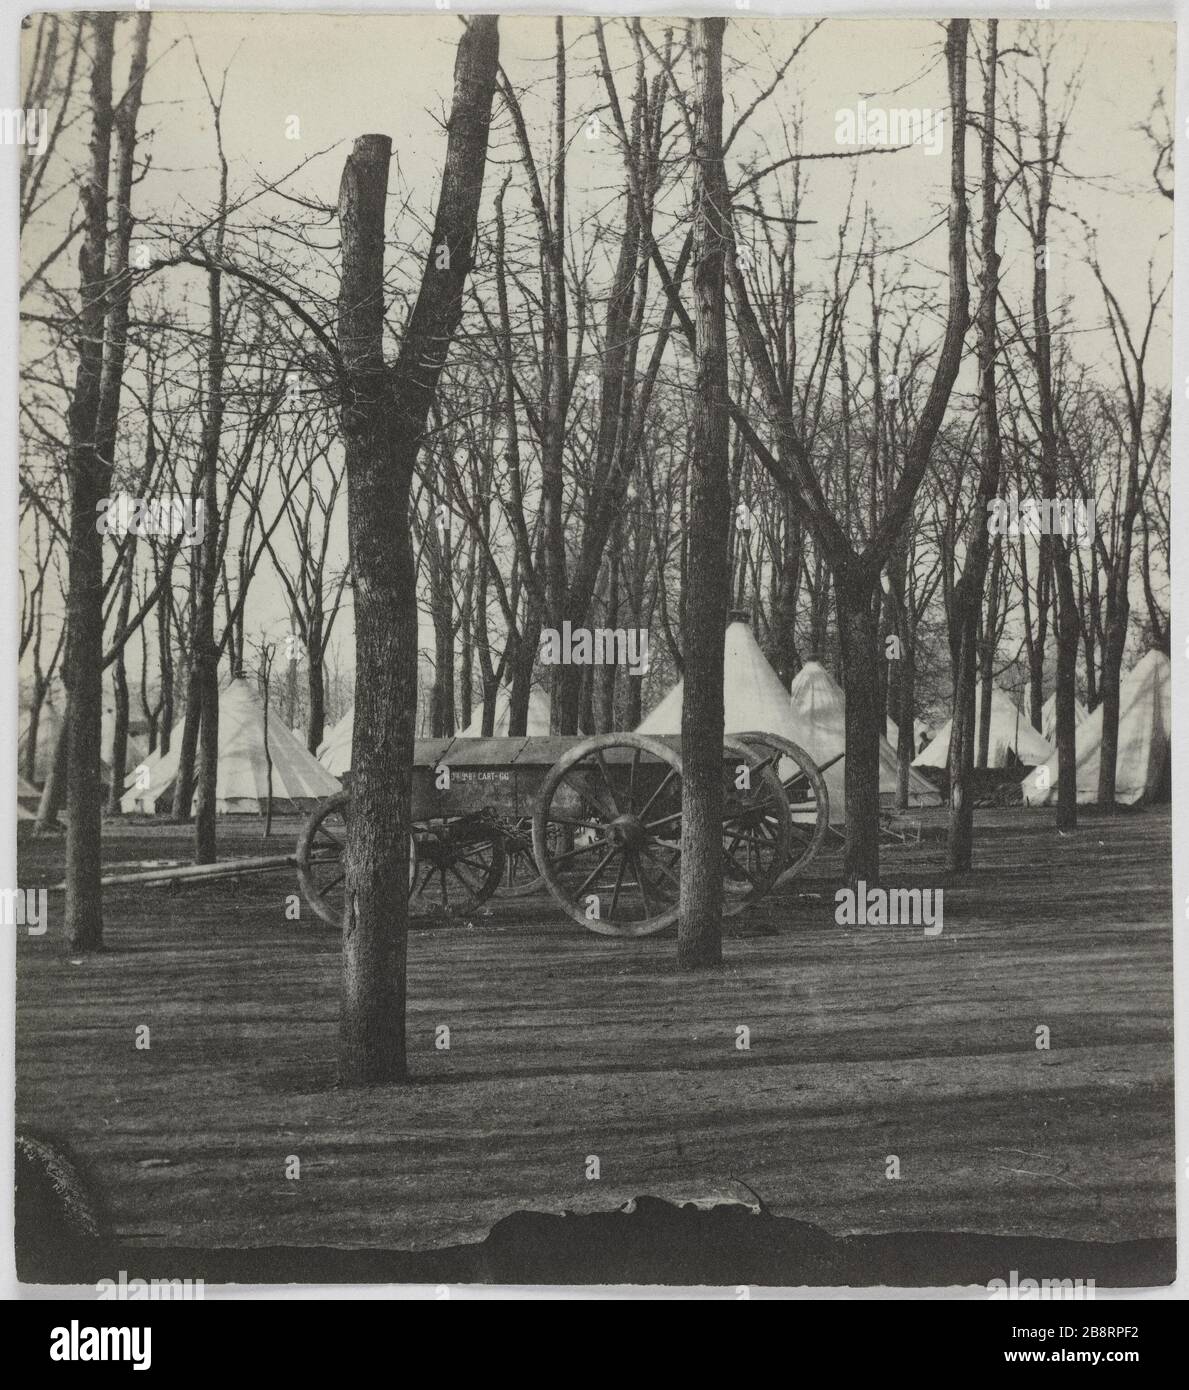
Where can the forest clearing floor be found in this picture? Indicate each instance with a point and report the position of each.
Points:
(570, 1053)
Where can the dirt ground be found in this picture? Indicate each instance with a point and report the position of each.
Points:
(566, 1047)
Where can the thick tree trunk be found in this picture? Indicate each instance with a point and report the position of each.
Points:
(968, 595)
(1112, 669)
(383, 416)
(89, 479)
(183, 788)
(858, 635)
(206, 649)
(699, 930)
(316, 685)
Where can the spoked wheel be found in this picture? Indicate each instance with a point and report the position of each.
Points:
(521, 875)
(607, 834)
(807, 795)
(321, 866)
(321, 869)
(756, 825)
(460, 862)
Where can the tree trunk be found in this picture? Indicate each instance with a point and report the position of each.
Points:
(858, 635)
(968, 594)
(118, 753)
(316, 684)
(383, 418)
(89, 478)
(699, 930)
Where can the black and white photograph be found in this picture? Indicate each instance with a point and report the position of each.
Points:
(593, 628)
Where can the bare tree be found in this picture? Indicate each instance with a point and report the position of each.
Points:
(384, 416)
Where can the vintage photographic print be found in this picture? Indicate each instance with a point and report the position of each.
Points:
(594, 653)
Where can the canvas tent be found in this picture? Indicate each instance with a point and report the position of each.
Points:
(1141, 761)
(1048, 717)
(334, 752)
(756, 700)
(538, 715)
(819, 707)
(299, 781)
(920, 732)
(138, 744)
(1011, 733)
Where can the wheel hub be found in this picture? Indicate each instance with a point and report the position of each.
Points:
(627, 832)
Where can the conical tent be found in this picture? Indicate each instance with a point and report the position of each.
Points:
(1048, 717)
(1011, 733)
(335, 751)
(1141, 760)
(138, 745)
(143, 776)
(755, 699)
(299, 781)
(538, 715)
(919, 730)
(819, 707)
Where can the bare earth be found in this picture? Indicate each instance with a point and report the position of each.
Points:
(865, 1043)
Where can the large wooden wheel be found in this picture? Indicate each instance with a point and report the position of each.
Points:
(806, 793)
(460, 862)
(321, 850)
(607, 832)
(756, 825)
(321, 847)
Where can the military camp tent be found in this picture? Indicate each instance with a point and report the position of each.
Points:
(1011, 736)
(299, 781)
(755, 700)
(1141, 759)
(1048, 717)
(538, 715)
(819, 707)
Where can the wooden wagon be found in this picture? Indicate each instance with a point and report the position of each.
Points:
(597, 820)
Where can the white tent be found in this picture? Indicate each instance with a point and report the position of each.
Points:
(538, 715)
(1145, 722)
(299, 781)
(335, 751)
(1048, 717)
(138, 745)
(819, 707)
(1010, 733)
(919, 730)
(756, 700)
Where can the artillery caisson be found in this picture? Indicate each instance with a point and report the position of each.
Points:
(605, 818)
